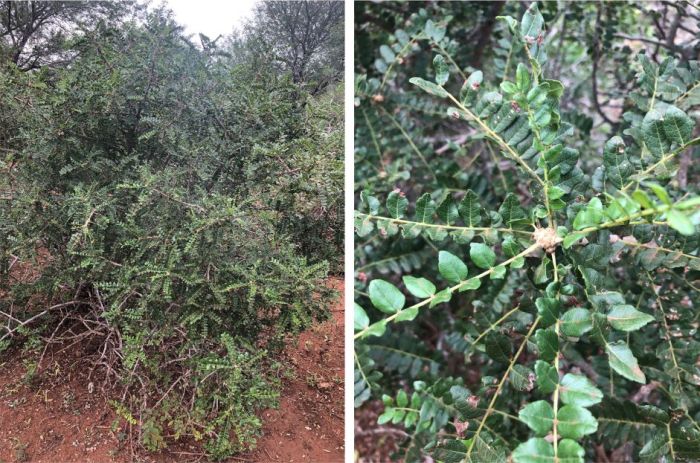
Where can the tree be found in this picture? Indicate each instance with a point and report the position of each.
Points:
(32, 33)
(305, 38)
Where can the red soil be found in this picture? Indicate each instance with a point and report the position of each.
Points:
(60, 417)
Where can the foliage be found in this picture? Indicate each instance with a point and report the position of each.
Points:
(32, 33)
(172, 201)
(555, 298)
(302, 38)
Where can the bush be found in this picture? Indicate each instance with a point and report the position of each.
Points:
(525, 289)
(144, 182)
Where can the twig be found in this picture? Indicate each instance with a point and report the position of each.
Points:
(31, 319)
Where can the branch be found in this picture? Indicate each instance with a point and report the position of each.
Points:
(437, 225)
(451, 289)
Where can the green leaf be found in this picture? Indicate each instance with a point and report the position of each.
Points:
(419, 287)
(386, 297)
(569, 451)
(470, 89)
(447, 211)
(642, 199)
(470, 284)
(480, 448)
(575, 422)
(537, 95)
(547, 376)
(396, 203)
(654, 134)
(376, 329)
(482, 255)
(370, 202)
(361, 318)
(617, 166)
(532, 22)
(443, 296)
(498, 273)
(434, 31)
(425, 208)
(547, 343)
(660, 193)
(386, 417)
(402, 399)
(572, 238)
(680, 222)
(548, 310)
(363, 226)
(589, 216)
(470, 210)
(627, 318)
(576, 322)
(429, 87)
(624, 362)
(579, 390)
(451, 267)
(407, 315)
(508, 87)
(522, 78)
(535, 450)
(498, 347)
(678, 127)
(539, 416)
(387, 53)
(522, 378)
(510, 247)
(656, 448)
(511, 211)
(555, 193)
(442, 71)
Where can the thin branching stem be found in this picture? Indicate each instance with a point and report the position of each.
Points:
(451, 289)
(492, 403)
(441, 226)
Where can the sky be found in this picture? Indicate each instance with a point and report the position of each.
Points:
(211, 17)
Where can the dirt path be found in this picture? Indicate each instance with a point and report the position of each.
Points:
(60, 418)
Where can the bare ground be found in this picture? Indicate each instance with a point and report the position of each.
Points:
(60, 417)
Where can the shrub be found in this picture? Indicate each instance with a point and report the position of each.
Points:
(521, 293)
(144, 182)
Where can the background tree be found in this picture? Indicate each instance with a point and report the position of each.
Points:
(32, 33)
(305, 38)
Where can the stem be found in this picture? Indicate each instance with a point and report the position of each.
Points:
(451, 289)
(381, 261)
(410, 141)
(659, 248)
(538, 138)
(555, 399)
(449, 57)
(676, 367)
(663, 160)
(495, 161)
(495, 325)
(687, 93)
(629, 218)
(374, 139)
(497, 138)
(396, 59)
(446, 227)
(500, 386)
(359, 368)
